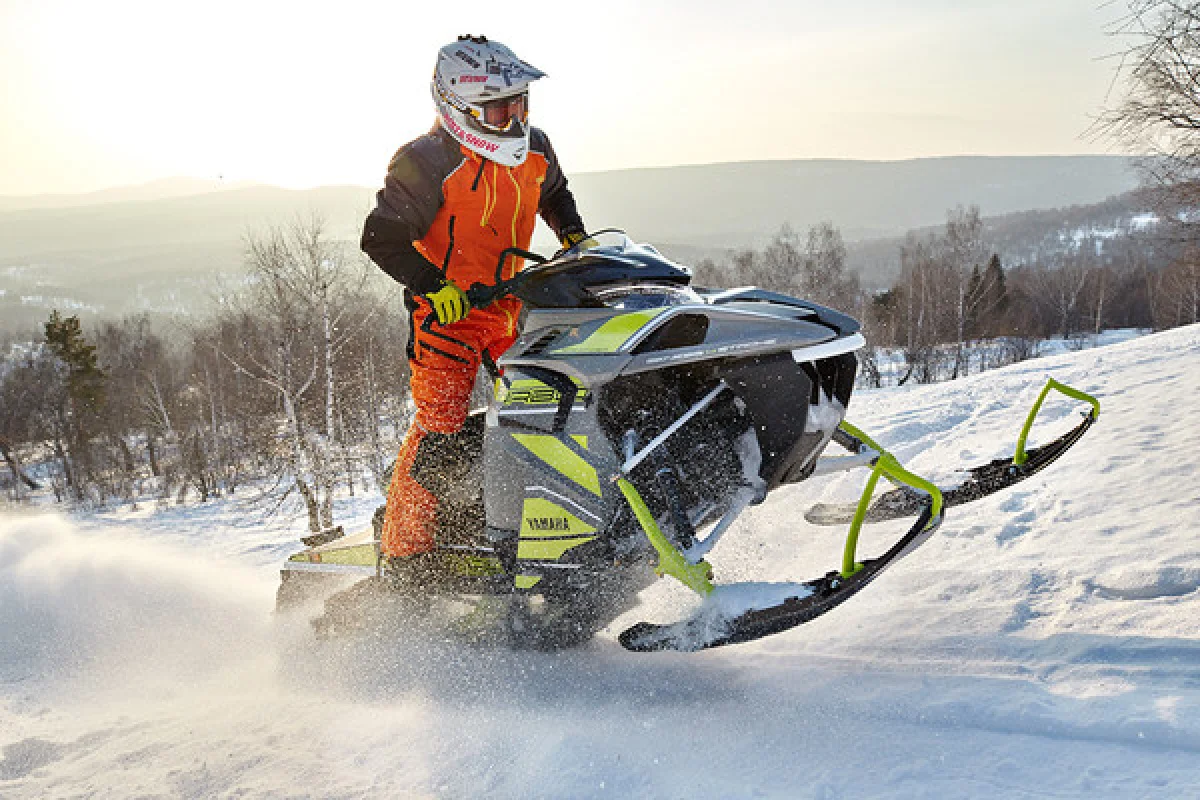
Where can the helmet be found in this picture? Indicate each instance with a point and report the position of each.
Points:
(481, 90)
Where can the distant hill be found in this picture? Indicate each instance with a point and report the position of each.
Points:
(165, 255)
(158, 246)
(741, 204)
(1019, 237)
(154, 190)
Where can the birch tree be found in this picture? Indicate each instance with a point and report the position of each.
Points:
(964, 255)
(1157, 107)
(303, 288)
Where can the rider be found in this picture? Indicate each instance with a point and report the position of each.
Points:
(454, 199)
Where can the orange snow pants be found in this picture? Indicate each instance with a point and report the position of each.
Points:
(444, 361)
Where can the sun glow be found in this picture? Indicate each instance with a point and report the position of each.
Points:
(300, 94)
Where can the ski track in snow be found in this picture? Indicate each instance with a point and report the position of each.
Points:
(1045, 643)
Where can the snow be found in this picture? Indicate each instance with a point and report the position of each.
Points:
(1137, 223)
(1057, 345)
(1045, 642)
(1144, 220)
(44, 301)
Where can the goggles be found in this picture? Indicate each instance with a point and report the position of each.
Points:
(500, 114)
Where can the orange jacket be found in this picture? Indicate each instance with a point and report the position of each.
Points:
(446, 213)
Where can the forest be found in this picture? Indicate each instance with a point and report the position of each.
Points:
(295, 390)
(956, 308)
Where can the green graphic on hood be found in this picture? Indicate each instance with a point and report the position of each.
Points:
(614, 333)
(530, 391)
(526, 581)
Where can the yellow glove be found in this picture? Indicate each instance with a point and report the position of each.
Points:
(582, 239)
(449, 303)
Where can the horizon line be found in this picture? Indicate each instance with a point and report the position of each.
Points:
(249, 183)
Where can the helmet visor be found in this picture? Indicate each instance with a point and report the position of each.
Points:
(500, 114)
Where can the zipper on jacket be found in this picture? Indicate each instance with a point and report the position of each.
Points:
(516, 216)
(517, 207)
(490, 196)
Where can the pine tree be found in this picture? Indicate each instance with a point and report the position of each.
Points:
(975, 301)
(85, 379)
(993, 308)
(81, 397)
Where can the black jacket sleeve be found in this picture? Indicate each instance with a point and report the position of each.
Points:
(557, 205)
(404, 210)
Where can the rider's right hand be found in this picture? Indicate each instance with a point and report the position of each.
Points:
(578, 238)
(449, 303)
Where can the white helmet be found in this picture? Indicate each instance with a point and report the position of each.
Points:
(481, 90)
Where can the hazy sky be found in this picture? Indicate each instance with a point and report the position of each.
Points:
(96, 93)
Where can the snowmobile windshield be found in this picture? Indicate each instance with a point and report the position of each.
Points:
(605, 242)
(607, 262)
(638, 296)
(615, 247)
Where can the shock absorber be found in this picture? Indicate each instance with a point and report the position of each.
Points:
(668, 483)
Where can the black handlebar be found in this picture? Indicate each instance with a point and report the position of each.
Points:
(480, 295)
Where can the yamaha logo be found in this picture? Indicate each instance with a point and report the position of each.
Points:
(548, 523)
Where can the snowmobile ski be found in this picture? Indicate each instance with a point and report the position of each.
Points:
(712, 628)
(983, 480)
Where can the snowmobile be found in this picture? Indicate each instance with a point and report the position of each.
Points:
(631, 423)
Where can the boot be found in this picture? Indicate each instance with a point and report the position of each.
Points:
(377, 522)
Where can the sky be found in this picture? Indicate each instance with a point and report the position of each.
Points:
(300, 94)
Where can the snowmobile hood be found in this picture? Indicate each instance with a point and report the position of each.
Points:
(595, 344)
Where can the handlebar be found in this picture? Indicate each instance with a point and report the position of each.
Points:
(481, 295)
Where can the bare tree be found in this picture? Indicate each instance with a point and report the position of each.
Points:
(825, 278)
(25, 386)
(781, 264)
(304, 287)
(1158, 110)
(1059, 287)
(1181, 287)
(964, 254)
(919, 268)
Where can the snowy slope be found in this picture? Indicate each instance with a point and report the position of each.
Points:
(1045, 643)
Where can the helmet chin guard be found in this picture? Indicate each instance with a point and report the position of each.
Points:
(471, 76)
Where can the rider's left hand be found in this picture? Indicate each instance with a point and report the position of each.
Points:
(449, 303)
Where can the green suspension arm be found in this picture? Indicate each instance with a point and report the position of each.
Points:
(1020, 457)
(696, 577)
(889, 467)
